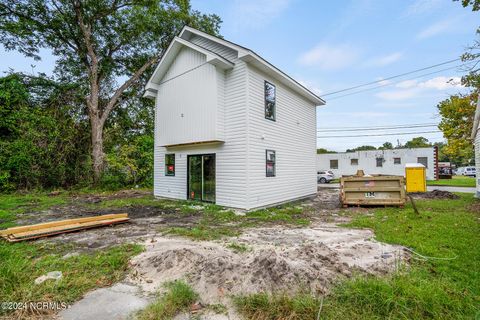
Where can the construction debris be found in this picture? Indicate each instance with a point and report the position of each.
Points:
(56, 227)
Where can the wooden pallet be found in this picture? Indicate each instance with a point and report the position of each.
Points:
(46, 229)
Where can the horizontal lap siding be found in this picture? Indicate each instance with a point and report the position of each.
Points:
(292, 136)
(231, 158)
(477, 161)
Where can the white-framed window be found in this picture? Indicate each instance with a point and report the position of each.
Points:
(270, 101)
(334, 164)
(270, 163)
(397, 160)
(379, 162)
(170, 164)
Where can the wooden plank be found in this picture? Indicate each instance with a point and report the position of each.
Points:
(12, 238)
(60, 223)
(66, 227)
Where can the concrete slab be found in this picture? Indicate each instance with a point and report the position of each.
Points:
(113, 303)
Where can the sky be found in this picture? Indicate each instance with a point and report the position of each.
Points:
(332, 45)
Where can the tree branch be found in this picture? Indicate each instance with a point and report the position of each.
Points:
(116, 96)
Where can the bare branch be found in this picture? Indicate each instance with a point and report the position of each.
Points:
(118, 93)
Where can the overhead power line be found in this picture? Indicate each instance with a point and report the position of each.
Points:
(391, 77)
(395, 82)
(381, 128)
(379, 135)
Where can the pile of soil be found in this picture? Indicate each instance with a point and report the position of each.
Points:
(435, 194)
(278, 259)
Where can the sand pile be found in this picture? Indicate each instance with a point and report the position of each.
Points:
(278, 259)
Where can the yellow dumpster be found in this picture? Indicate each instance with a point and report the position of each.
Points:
(415, 175)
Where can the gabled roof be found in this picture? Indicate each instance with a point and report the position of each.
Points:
(244, 54)
(167, 58)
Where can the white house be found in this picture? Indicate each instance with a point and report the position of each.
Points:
(390, 162)
(230, 128)
(476, 140)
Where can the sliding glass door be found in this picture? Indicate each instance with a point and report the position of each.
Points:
(201, 177)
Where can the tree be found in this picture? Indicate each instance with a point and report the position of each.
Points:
(323, 150)
(418, 142)
(362, 148)
(472, 55)
(457, 114)
(106, 47)
(386, 146)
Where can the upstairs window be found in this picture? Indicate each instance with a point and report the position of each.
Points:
(170, 164)
(354, 162)
(270, 97)
(379, 162)
(270, 163)
(397, 161)
(333, 164)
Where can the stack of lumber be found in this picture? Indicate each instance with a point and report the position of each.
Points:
(56, 227)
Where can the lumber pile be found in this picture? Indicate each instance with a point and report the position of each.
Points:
(46, 229)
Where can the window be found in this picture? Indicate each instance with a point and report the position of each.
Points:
(270, 163)
(423, 160)
(170, 164)
(333, 164)
(354, 162)
(379, 162)
(397, 161)
(270, 97)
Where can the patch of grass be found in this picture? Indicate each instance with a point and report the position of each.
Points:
(14, 204)
(203, 232)
(286, 214)
(431, 289)
(178, 297)
(238, 247)
(218, 308)
(262, 306)
(21, 263)
(456, 181)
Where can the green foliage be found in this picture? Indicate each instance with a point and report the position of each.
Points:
(417, 142)
(323, 150)
(457, 114)
(362, 148)
(179, 296)
(386, 146)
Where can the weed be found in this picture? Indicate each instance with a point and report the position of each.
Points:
(238, 247)
(178, 297)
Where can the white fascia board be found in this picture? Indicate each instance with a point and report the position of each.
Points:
(262, 64)
(250, 56)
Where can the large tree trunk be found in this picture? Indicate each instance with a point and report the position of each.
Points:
(97, 148)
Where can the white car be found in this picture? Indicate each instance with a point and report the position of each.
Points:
(325, 176)
(470, 171)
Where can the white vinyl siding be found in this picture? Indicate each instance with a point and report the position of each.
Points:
(187, 101)
(292, 136)
(477, 162)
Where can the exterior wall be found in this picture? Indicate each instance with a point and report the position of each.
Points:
(231, 158)
(188, 106)
(367, 161)
(293, 138)
(477, 161)
(241, 181)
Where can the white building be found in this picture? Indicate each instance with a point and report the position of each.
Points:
(476, 141)
(391, 162)
(230, 128)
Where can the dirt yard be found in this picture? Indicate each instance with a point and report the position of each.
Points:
(268, 257)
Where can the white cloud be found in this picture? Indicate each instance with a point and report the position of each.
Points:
(413, 88)
(422, 6)
(384, 60)
(310, 86)
(329, 56)
(437, 28)
(253, 14)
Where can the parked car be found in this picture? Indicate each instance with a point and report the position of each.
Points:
(325, 176)
(470, 171)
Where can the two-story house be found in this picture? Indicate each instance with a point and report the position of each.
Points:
(230, 128)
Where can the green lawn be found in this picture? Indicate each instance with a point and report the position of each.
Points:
(426, 289)
(456, 181)
(21, 263)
